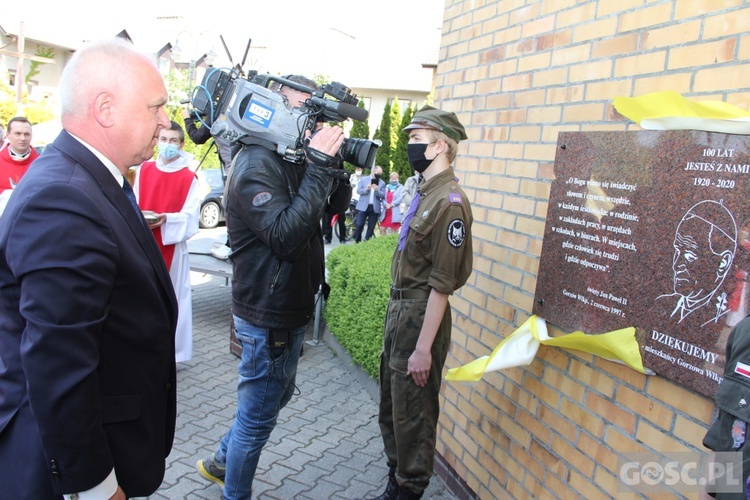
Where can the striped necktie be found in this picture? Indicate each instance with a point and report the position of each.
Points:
(131, 195)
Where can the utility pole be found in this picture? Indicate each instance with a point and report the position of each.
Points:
(21, 44)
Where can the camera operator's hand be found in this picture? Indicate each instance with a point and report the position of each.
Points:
(327, 140)
(322, 147)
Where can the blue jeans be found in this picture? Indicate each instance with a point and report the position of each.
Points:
(266, 385)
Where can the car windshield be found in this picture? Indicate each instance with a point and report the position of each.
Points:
(213, 177)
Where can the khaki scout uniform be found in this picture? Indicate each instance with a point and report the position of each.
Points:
(437, 254)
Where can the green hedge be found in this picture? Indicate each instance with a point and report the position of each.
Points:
(360, 280)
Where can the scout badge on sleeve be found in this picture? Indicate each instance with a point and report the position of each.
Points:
(739, 429)
(456, 232)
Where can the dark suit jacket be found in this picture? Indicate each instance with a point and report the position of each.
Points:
(87, 319)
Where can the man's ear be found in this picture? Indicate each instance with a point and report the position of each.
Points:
(442, 146)
(103, 111)
(727, 258)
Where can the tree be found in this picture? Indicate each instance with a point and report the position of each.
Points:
(359, 130)
(400, 159)
(35, 112)
(395, 121)
(383, 133)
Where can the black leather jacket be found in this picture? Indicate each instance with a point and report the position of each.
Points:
(273, 215)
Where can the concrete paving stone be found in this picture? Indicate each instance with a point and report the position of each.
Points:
(318, 448)
(331, 462)
(342, 444)
(204, 401)
(190, 428)
(361, 435)
(290, 489)
(310, 413)
(213, 420)
(323, 424)
(184, 468)
(261, 488)
(322, 489)
(306, 434)
(196, 442)
(311, 474)
(367, 473)
(268, 459)
(361, 490)
(297, 460)
(276, 474)
(287, 447)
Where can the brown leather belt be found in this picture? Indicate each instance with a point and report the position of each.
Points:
(408, 293)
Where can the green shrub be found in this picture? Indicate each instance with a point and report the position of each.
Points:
(360, 280)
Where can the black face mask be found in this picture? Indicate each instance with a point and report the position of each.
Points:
(415, 154)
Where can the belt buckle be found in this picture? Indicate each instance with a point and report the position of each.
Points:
(395, 293)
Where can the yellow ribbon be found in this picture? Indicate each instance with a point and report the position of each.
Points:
(519, 349)
(668, 110)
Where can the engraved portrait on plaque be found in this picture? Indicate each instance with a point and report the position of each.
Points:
(650, 229)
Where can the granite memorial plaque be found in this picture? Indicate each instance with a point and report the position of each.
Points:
(651, 229)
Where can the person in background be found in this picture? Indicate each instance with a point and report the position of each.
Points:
(410, 190)
(274, 208)
(87, 310)
(371, 190)
(390, 213)
(2, 136)
(427, 267)
(16, 158)
(327, 224)
(354, 180)
(168, 187)
(201, 135)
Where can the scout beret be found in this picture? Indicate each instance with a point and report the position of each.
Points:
(442, 121)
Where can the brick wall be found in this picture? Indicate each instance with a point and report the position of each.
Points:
(518, 72)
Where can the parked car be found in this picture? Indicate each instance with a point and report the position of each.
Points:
(212, 208)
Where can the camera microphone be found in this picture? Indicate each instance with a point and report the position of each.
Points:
(341, 108)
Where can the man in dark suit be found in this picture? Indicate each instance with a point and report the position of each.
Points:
(371, 190)
(87, 309)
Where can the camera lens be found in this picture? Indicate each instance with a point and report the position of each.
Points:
(359, 152)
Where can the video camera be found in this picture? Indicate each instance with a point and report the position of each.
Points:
(247, 111)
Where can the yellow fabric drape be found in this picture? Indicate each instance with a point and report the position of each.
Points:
(668, 110)
(519, 349)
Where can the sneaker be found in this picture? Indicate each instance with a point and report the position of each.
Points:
(209, 469)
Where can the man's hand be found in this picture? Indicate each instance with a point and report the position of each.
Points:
(419, 366)
(328, 140)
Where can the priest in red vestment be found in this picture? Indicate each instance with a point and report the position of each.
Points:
(16, 157)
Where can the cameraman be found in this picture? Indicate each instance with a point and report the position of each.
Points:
(274, 208)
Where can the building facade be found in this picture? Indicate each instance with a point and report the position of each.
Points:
(517, 73)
